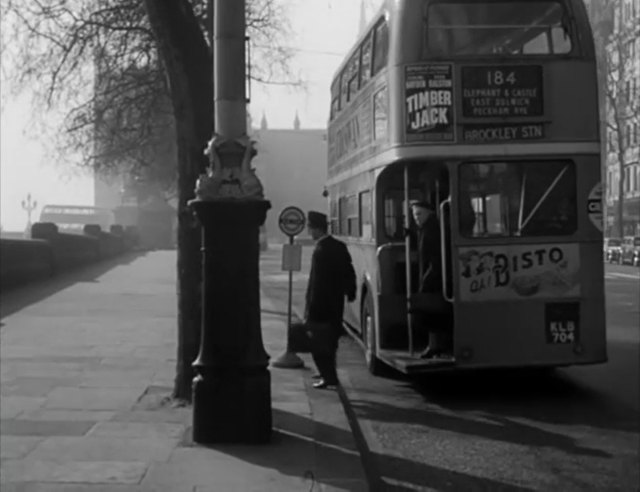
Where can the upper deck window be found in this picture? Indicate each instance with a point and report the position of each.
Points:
(365, 63)
(335, 98)
(380, 46)
(499, 28)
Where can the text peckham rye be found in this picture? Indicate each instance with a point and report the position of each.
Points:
(429, 108)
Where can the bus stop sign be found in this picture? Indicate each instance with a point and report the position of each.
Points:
(292, 221)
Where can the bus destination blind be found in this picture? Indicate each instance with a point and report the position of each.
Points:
(502, 91)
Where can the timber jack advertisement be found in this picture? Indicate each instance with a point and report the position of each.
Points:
(429, 103)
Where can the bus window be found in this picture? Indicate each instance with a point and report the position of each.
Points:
(333, 216)
(517, 199)
(335, 99)
(380, 114)
(365, 214)
(365, 63)
(560, 40)
(393, 216)
(394, 212)
(537, 46)
(380, 46)
(353, 71)
(496, 28)
(353, 223)
(348, 221)
(344, 87)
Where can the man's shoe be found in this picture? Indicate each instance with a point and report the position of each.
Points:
(322, 384)
(431, 352)
(437, 353)
(316, 376)
(445, 355)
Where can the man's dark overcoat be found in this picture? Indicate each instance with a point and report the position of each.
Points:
(331, 279)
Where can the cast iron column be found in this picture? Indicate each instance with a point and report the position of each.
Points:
(232, 389)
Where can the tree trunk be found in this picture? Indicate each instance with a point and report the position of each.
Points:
(620, 208)
(188, 63)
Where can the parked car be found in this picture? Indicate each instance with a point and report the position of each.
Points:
(613, 250)
(630, 251)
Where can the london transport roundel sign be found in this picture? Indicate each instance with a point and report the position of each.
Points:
(292, 221)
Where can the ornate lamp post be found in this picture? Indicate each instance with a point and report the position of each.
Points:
(29, 206)
(232, 389)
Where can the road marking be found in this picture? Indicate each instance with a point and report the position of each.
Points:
(611, 275)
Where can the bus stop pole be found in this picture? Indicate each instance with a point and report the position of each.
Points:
(290, 297)
(407, 255)
(288, 359)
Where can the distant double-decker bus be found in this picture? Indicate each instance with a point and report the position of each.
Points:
(488, 111)
(73, 218)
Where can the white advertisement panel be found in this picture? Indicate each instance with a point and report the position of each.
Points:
(507, 272)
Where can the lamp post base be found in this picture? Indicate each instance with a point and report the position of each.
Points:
(232, 407)
(232, 389)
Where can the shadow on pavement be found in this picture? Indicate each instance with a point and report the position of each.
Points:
(540, 395)
(18, 298)
(514, 407)
(491, 426)
(329, 463)
(292, 433)
(440, 479)
(398, 471)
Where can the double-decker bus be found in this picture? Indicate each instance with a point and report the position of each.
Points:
(73, 218)
(488, 110)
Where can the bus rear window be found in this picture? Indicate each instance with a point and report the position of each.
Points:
(464, 28)
(517, 199)
(394, 207)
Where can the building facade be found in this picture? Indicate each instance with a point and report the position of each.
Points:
(292, 166)
(623, 141)
(617, 26)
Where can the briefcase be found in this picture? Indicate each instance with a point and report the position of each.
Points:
(311, 337)
(299, 338)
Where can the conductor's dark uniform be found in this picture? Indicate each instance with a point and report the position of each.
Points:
(331, 279)
(429, 256)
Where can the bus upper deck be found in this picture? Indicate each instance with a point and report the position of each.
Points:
(462, 75)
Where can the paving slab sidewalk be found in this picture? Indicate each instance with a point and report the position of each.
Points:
(86, 369)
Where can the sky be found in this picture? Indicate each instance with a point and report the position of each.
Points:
(322, 32)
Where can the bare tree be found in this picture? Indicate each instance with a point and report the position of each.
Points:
(116, 64)
(600, 15)
(622, 100)
(98, 61)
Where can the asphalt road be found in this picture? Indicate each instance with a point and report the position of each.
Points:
(576, 429)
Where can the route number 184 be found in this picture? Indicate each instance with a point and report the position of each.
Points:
(500, 77)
